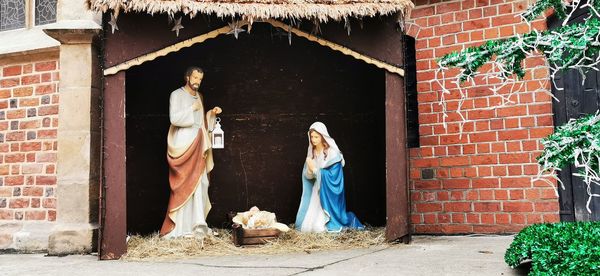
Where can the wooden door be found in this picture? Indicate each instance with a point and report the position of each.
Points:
(576, 98)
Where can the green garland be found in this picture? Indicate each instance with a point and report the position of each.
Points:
(560, 9)
(576, 139)
(577, 142)
(570, 46)
(564, 248)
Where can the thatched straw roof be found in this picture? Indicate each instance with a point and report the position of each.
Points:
(322, 10)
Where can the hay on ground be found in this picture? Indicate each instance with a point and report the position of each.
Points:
(153, 247)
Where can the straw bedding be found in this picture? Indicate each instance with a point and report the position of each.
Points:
(153, 247)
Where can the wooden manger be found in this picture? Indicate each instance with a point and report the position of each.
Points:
(243, 236)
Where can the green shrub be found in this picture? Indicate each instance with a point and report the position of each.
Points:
(565, 248)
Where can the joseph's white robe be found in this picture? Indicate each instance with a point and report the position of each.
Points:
(190, 218)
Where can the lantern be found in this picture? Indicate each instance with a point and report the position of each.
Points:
(218, 136)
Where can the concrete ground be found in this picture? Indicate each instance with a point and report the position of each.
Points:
(426, 255)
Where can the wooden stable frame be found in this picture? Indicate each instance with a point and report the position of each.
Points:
(227, 29)
(121, 54)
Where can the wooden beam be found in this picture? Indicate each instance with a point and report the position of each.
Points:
(167, 50)
(227, 29)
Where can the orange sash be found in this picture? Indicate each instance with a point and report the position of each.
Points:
(184, 175)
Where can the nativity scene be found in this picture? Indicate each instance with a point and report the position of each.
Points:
(275, 78)
(190, 140)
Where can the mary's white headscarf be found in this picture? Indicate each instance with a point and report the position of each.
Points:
(322, 129)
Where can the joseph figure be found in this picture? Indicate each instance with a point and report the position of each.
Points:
(190, 160)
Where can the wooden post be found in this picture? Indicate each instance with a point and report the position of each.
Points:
(396, 159)
(114, 199)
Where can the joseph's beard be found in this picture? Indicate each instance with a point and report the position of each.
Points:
(195, 86)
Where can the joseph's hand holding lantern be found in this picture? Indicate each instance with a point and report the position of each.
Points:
(218, 136)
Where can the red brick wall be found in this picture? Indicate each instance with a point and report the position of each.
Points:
(28, 138)
(480, 182)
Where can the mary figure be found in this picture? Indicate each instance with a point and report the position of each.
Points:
(323, 203)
